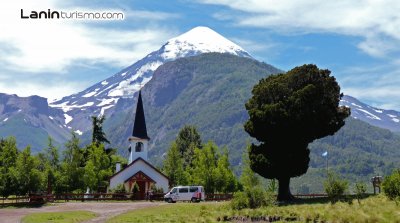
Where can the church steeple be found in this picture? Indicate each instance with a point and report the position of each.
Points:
(139, 139)
(139, 127)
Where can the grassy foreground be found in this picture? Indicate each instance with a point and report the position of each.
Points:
(59, 217)
(372, 209)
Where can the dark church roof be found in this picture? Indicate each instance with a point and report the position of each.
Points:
(139, 127)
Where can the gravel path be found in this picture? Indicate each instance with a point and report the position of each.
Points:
(105, 210)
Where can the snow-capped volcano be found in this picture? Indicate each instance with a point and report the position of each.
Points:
(200, 40)
(102, 96)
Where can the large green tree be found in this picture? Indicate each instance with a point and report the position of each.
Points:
(187, 141)
(173, 166)
(8, 158)
(205, 162)
(72, 167)
(29, 178)
(98, 168)
(287, 112)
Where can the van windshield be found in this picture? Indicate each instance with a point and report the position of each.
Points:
(173, 191)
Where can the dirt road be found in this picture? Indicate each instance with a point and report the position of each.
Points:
(104, 210)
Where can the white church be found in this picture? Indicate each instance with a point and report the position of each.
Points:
(139, 170)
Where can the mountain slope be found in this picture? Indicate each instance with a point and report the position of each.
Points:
(31, 121)
(101, 97)
(208, 91)
(387, 119)
(358, 151)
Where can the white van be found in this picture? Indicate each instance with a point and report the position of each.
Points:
(185, 193)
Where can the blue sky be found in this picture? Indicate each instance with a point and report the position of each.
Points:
(359, 41)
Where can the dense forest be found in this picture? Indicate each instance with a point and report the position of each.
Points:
(76, 168)
(73, 171)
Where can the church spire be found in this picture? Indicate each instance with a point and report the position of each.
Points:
(139, 127)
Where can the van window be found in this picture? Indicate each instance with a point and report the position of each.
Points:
(183, 190)
(173, 191)
(193, 189)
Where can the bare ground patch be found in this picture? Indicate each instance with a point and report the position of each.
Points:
(104, 210)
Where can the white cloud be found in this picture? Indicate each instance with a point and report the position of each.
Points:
(377, 84)
(377, 22)
(52, 45)
(39, 57)
(43, 89)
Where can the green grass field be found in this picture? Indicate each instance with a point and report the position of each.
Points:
(372, 209)
(59, 217)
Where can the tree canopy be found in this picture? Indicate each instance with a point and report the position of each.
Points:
(287, 112)
(187, 141)
(206, 164)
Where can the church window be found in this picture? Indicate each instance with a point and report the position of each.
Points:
(139, 147)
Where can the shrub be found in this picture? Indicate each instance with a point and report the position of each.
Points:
(335, 187)
(157, 190)
(360, 188)
(254, 197)
(119, 189)
(391, 185)
(240, 200)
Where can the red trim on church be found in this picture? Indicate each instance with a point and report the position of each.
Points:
(140, 176)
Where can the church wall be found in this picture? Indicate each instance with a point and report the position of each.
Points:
(139, 165)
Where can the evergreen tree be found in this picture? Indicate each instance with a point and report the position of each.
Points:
(98, 135)
(286, 113)
(187, 141)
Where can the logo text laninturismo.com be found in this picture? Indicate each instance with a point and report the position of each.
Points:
(80, 15)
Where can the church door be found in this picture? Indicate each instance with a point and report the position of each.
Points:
(143, 181)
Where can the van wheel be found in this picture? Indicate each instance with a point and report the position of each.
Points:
(193, 200)
(170, 200)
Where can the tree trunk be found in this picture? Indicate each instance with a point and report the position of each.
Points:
(284, 190)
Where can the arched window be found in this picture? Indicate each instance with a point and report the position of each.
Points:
(139, 147)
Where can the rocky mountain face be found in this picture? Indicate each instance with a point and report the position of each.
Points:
(31, 121)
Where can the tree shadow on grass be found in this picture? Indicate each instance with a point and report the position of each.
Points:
(324, 200)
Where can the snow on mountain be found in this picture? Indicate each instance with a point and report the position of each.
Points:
(388, 119)
(201, 40)
(104, 95)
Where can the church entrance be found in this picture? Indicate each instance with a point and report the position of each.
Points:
(143, 185)
(142, 190)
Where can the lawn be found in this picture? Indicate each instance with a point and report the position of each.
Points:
(59, 217)
(372, 209)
